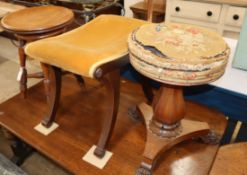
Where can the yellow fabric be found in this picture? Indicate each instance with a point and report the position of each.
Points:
(83, 49)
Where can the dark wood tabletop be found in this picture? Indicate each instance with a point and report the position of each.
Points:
(80, 118)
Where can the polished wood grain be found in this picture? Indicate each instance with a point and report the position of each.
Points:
(37, 19)
(231, 160)
(81, 117)
(169, 108)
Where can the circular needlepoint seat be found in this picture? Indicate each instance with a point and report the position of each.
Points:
(178, 54)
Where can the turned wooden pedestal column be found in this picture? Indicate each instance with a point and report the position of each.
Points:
(166, 126)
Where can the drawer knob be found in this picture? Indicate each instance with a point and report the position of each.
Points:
(210, 13)
(235, 17)
(177, 9)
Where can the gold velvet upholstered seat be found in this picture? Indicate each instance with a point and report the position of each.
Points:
(84, 49)
(98, 50)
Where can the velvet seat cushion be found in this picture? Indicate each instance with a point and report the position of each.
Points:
(82, 50)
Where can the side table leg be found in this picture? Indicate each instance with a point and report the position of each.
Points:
(22, 76)
(21, 151)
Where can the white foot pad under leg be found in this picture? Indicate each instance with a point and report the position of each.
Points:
(46, 131)
(94, 160)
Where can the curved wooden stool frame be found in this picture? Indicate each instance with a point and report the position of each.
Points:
(109, 75)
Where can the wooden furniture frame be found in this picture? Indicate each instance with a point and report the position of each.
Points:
(109, 75)
(165, 124)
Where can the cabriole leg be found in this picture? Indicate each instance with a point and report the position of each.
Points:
(52, 82)
(112, 84)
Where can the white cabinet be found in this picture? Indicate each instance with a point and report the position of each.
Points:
(195, 11)
(225, 18)
(235, 16)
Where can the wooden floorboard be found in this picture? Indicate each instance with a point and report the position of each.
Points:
(80, 117)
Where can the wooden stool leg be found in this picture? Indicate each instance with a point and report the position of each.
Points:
(52, 82)
(21, 150)
(22, 77)
(112, 83)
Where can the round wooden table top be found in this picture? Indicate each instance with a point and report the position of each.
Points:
(231, 160)
(37, 19)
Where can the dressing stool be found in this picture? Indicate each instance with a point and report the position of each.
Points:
(176, 55)
(32, 24)
(96, 50)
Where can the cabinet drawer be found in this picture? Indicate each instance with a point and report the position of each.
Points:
(196, 10)
(235, 16)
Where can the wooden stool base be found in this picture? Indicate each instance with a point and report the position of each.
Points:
(155, 144)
